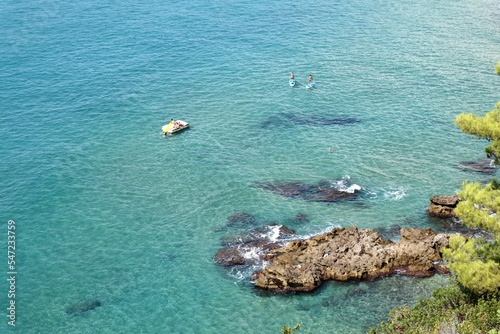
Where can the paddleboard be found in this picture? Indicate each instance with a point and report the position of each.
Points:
(310, 85)
(291, 82)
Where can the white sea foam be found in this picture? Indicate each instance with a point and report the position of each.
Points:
(343, 185)
(251, 253)
(395, 194)
(274, 233)
(243, 273)
(353, 188)
(371, 193)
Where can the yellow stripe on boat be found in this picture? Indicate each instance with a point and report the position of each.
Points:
(167, 127)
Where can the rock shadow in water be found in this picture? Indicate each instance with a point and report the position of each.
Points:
(286, 119)
(83, 307)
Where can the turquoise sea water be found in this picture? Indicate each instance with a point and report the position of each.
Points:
(107, 209)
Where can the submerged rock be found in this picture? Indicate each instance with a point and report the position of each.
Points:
(482, 166)
(443, 206)
(83, 307)
(250, 253)
(324, 191)
(240, 219)
(251, 249)
(349, 253)
(262, 233)
(320, 120)
(301, 218)
(285, 119)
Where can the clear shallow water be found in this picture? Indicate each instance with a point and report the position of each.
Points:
(107, 209)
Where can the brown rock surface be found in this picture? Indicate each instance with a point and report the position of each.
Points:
(442, 206)
(350, 253)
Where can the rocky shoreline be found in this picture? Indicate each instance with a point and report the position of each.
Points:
(289, 263)
(285, 262)
(351, 253)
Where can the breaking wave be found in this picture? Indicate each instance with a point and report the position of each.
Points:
(344, 185)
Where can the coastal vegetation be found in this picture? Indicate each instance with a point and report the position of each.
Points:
(476, 262)
(449, 310)
(471, 303)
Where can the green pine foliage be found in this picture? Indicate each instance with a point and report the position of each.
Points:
(474, 271)
(497, 67)
(485, 127)
(476, 263)
(479, 206)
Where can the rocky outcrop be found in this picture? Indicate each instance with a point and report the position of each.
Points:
(442, 206)
(350, 253)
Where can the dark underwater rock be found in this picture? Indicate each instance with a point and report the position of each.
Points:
(250, 253)
(83, 307)
(485, 166)
(301, 218)
(285, 119)
(319, 120)
(262, 233)
(251, 249)
(324, 191)
(240, 219)
(229, 256)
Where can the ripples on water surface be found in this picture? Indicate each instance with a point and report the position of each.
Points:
(110, 213)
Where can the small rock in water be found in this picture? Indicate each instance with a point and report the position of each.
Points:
(443, 206)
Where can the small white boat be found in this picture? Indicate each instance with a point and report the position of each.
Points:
(174, 126)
